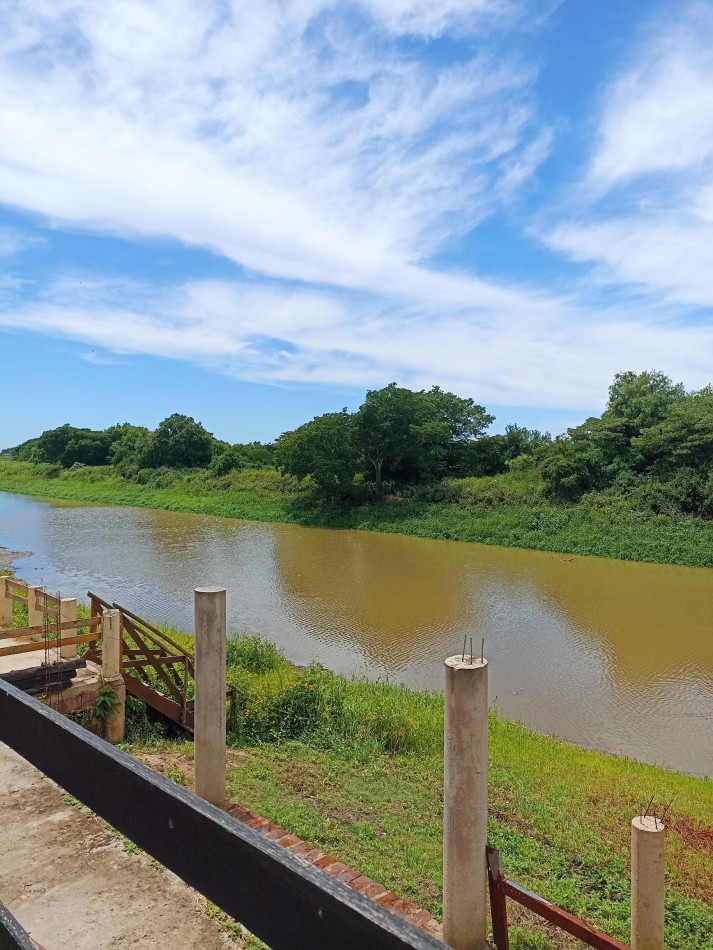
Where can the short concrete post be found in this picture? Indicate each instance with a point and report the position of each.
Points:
(115, 722)
(209, 710)
(465, 804)
(648, 883)
(5, 605)
(35, 614)
(68, 614)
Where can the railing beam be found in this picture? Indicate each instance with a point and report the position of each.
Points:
(281, 899)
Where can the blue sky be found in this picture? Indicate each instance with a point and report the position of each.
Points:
(252, 212)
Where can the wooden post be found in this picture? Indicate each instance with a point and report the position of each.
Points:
(648, 883)
(67, 614)
(5, 605)
(209, 711)
(465, 803)
(115, 721)
(35, 614)
(498, 900)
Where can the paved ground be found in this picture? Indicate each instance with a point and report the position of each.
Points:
(72, 885)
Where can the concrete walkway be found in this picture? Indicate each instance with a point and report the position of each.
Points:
(70, 883)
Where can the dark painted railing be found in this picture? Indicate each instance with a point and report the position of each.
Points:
(282, 900)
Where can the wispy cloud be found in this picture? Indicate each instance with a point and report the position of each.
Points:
(335, 152)
(13, 241)
(305, 141)
(646, 201)
(551, 355)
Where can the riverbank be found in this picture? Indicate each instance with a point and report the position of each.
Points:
(356, 768)
(509, 510)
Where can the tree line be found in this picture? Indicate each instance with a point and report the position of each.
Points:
(653, 444)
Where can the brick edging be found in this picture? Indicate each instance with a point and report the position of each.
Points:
(411, 912)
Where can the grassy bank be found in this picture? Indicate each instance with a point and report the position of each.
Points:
(509, 510)
(356, 768)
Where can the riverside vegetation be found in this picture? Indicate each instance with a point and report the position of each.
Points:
(356, 768)
(635, 483)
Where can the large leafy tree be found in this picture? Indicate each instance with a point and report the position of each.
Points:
(67, 445)
(323, 449)
(409, 436)
(181, 442)
(397, 434)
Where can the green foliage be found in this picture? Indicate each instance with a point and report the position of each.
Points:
(396, 435)
(652, 444)
(67, 446)
(105, 702)
(181, 442)
(323, 449)
(253, 654)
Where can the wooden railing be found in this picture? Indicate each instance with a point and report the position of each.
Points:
(501, 888)
(157, 669)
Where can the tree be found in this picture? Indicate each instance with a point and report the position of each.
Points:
(409, 436)
(324, 449)
(66, 445)
(181, 442)
(132, 447)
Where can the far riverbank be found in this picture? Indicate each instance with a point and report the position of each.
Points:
(507, 510)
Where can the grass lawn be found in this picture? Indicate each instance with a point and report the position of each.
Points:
(357, 769)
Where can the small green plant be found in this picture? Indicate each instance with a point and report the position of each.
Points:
(130, 847)
(105, 702)
(71, 800)
(176, 775)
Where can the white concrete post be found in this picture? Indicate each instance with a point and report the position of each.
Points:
(648, 883)
(115, 722)
(67, 614)
(209, 710)
(35, 614)
(465, 804)
(5, 605)
(111, 644)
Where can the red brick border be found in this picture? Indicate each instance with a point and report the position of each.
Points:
(411, 912)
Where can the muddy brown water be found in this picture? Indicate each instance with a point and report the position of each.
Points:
(609, 654)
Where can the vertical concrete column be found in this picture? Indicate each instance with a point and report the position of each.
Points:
(648, 883)
(35, 614)
(209, 711)
(465, 803)
(67, 614)
(115, 722)
(5, 605)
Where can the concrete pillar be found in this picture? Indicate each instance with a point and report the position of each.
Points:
(209, 710)
(648, 883)
(115, 722)
(35, 614)
(111, 644)
(5, 605)
(465, 804)
(67, 614)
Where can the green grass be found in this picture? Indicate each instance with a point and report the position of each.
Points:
(356, 768)
(508, 510)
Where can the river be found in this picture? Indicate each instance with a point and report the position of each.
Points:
(612, 655)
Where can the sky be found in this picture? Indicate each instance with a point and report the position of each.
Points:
(253, 212)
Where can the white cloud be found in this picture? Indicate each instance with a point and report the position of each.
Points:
(299, 140)
(269, 333)
(14, 241)
(645, 215)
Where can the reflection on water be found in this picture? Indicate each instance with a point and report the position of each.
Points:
(609, 654)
